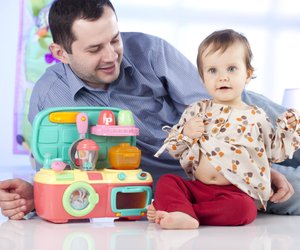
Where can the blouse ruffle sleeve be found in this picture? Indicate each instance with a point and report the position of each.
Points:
(285, 140)
(182, 147)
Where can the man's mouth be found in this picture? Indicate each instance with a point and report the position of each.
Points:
(108, 69)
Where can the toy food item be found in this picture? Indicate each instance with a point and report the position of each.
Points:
(124, 156)
(58, 164)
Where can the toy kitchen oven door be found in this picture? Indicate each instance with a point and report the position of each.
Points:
(90, 165)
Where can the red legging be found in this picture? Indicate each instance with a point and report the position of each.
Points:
(218, 205)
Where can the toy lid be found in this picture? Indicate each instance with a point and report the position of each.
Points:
(87, 145)
(124, 148)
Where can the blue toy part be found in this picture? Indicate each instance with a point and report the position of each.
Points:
(54, 130)
(87, 166)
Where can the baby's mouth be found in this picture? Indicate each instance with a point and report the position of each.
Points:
(224, 88)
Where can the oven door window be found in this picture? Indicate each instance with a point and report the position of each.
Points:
(130, 201)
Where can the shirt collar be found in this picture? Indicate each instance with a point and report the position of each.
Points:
(75, 83)
(127, 65)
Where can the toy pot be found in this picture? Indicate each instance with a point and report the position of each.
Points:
(87, 154)
(124, 156)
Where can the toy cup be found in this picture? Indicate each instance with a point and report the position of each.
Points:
(88, 154)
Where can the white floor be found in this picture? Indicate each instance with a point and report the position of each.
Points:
(268, 232)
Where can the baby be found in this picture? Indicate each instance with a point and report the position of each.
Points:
(224, 145)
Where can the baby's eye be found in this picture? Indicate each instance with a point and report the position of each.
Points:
(212, 70)
(232, 69)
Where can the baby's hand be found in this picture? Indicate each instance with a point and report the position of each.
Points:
(291, 120)
(194, 127)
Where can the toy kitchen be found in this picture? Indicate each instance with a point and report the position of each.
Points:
(90, 165)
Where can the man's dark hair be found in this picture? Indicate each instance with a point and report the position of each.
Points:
(63, 14)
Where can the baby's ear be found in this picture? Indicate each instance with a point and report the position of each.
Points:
(249, 75)
(59, 52)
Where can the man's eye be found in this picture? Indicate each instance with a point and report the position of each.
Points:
(94, 50)
(115, 41)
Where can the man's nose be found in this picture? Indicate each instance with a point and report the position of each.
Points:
(109, 53)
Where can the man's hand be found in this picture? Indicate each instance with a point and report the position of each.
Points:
(283, 190)
(16, 198)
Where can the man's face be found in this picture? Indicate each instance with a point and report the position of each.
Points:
(97, 50)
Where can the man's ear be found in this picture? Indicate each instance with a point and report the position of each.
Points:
(59, 52)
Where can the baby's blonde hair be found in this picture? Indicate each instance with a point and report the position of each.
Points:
(221, 40)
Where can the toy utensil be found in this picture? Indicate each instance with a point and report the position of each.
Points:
(82, 127)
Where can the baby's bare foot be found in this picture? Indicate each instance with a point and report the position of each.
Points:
(175, 220)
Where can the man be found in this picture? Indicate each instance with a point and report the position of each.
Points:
(102, 67)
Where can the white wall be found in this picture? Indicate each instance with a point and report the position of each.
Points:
(272, 27)
(9, 28)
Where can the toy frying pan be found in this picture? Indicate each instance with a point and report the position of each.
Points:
(82, 127)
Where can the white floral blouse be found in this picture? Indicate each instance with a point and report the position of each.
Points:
(240, 144)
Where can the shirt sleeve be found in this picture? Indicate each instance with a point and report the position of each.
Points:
(176, 142)
(35, 105)
(282, 141)
(178, 75)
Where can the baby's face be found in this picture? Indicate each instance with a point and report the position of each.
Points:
(225, 74)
